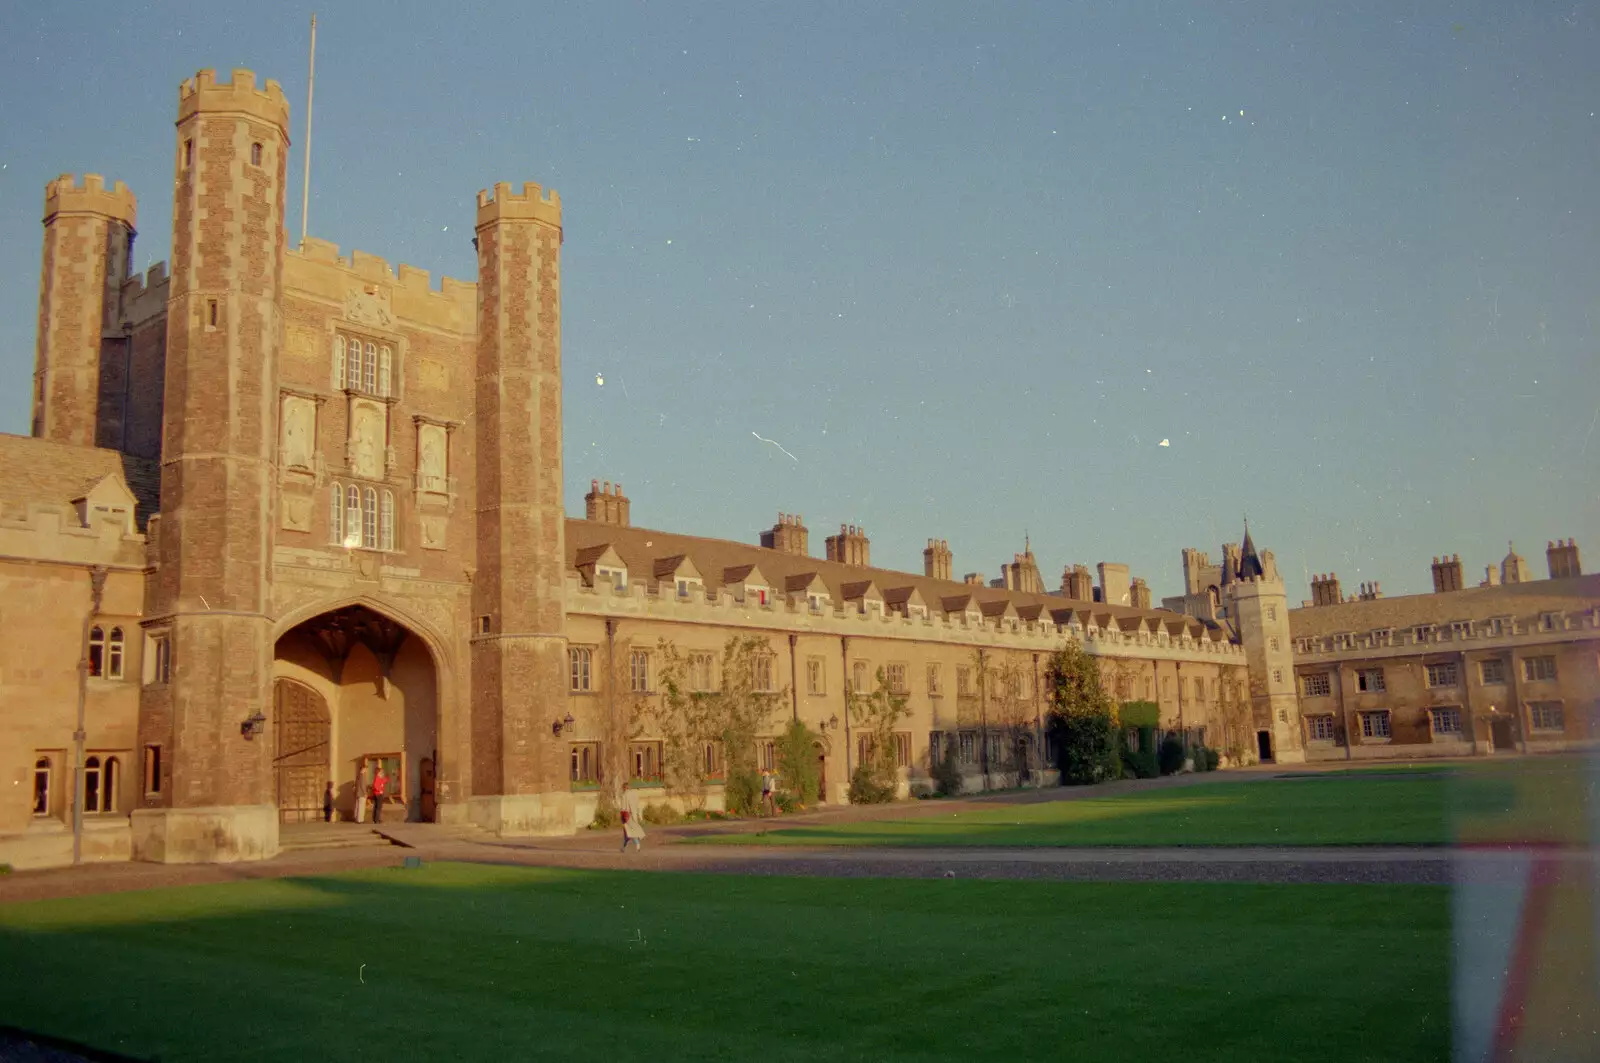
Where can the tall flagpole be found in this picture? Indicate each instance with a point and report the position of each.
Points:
(311, 84)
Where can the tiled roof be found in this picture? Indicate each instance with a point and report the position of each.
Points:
(1574, 594)
(639, 549)
(38, 470)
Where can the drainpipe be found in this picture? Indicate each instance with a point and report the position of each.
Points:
(611, 684)
(97, 587)
(983, 716)
(1037, 752)
(844, 657)
(794, 681)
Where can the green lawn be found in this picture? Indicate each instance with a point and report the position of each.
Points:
(473, 962)
(1345, 809)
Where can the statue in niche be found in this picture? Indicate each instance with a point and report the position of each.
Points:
(432, 462)
(369, 449)
(298, 428)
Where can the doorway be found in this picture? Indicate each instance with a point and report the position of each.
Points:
(1501, 734)
(1264, 746)
(301, 757)
(822, 773)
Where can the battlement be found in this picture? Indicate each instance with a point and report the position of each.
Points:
(204, 92)
(376, 269)
(138, 284)
(65, 196)
(532, 204)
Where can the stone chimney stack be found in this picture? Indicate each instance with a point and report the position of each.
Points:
(936, 559)
(1325, 589)
(1563, 559)
(789, 535)
(850, 547)
(1076, 584)
(1370, 592)
(1114, 585)
(973, 579)
(1139, 595)
(606, 504)
(1447, 574)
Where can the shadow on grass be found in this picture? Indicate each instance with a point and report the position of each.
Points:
(469, 962)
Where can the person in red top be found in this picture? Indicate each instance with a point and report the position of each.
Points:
(380, 786)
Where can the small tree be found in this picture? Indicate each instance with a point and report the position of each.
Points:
(1237, 718)
(688, 720)
(877, 777)
(1011, 712)
(798, 771)
(1082, 720)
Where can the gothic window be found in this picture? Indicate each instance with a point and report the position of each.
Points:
(158, 658)
(700, 665)
(386, 522)
(255, 154)
(152, 769)
(91, 785)
(336, 513)
(581, 659)
(369, 519)
(383, 371)
(639, 672)
(352, 515)
(41, 786)
(814, 681)
(353, 367)
(338, 362)
(114, 654)
(97, 651)
(369, 368)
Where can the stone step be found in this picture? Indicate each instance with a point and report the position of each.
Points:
(300, 837)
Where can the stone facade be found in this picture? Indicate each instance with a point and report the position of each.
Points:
(290, 514)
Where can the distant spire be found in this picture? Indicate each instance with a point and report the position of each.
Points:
(1249, 562)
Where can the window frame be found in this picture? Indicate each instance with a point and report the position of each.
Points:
(1541, 669)
(1370, 729)
(1498, 678)
(1441, 674)
(1547, 716)
(1438, 712)
(639, 672)
(580, 669)
(43, 767)
(1322, 722)
(583, 765)
(1370, 681)
(1316, 685)
(816, 676)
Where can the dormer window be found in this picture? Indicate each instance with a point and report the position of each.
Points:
(1551, 622)
(817, 602)
(917, 612)
(1461, 629)
(617, 576)
(1422, 633)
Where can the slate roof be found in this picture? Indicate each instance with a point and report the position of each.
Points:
(1575, 594)
(39, 470)
(720, 559)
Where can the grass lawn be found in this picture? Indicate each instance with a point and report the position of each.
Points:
(472, 962)
(1346, 809)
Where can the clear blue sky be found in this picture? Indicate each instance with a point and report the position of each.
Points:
(969, 264)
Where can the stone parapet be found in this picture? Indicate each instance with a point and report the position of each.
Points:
(532, 204)
(204, 93)
(65, 196)
(723, 610)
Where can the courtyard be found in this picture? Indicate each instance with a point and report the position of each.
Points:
(1213, 917)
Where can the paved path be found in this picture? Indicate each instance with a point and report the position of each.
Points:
(599, 850)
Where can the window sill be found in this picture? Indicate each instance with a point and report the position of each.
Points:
(646, 784)
(585, 787)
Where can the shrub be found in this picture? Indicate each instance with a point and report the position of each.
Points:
(947, 774)
(867, 789)
(741, 794)
(661, 814)
(786, 801)
(1213, 758)
(797, 763)
(604, 818)
(1138, 763)
(1171, 755)
(1086, 747)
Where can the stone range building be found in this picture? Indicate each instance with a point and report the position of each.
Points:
(1510, 664)
(286, 514)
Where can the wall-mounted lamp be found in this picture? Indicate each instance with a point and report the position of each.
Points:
(559, 726)
(253, 726)
(833, 722)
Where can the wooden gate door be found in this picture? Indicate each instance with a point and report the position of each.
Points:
(302, 753)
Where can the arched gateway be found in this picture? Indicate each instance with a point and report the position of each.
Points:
(354, 690)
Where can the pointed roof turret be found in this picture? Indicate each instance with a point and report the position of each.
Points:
(1249, 561)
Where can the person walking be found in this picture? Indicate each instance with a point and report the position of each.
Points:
(361, 794)
(327, 803)
(632, 818)
(380, 786)
(769, 787)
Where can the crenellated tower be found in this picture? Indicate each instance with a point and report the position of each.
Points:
(209, 599)
(1257, 602)
(88, 252)
(519, 646)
